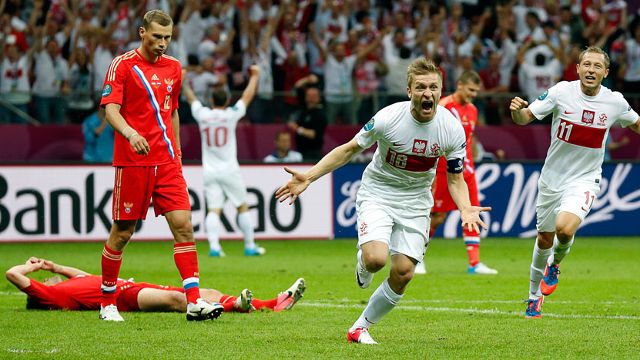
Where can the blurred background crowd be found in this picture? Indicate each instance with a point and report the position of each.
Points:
(347, 56)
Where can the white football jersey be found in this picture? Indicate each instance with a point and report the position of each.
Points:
(404, 164)
(579, 131)
(218, 135)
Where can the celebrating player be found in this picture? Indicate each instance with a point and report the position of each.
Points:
(394, 198)
(140, 95)
(81, 291)
(583, 112)
(460, 104)
(222, 179)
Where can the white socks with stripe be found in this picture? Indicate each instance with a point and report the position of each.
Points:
(211, 223)
(560, 250)
(380, 303)
(538, 263)
(245, 225)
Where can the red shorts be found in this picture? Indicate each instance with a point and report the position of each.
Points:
(128, 294)
(442, 201)
(134, 186)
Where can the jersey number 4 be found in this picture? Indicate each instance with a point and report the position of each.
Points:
(217, 136)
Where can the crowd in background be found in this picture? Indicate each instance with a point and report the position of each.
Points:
(55, 53)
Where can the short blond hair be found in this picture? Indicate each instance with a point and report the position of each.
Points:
(597, 50)
(422, 66)
(156, 16)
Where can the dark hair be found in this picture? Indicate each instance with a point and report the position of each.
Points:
(219, 97)
(34, 304)
(156, 16)
(468, 76)
(540, 59)
(405, 52)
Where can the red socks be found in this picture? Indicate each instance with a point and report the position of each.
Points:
(111, 261)
(260, 304)
(473, 252)
(186, 259)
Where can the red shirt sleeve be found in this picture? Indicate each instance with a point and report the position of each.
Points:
(47, 296)
(112, 91)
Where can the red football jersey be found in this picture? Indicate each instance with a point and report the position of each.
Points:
(81, 292)
(148, 93)
(468, 116)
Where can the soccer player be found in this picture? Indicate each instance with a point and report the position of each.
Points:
(395, 198)
(81, 291)
(460, 104)
(140, 96)
(222, 179)
(583, 112)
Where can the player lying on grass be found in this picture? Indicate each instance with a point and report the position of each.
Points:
(81, 291)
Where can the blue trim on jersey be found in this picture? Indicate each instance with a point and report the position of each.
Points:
(156, 107)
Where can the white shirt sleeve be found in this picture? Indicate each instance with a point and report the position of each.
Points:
(627, 116)
(370, 133)
(458, 146)
(546, 102)
(197, 110)
(239, 109)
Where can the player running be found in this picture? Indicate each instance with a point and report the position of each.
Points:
(394, 198)
(460, 104)
(140, 96)
(583, 112)
(222, 179)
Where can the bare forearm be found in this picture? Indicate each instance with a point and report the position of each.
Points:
(635, 127)
(522, 116)
(333, 160)
(67, 271)
(17, 275)
(175, 122)
(117, 122)
(458, 190)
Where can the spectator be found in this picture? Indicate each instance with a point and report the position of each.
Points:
(14, 79)
(494, 83)
(204, 79)
(310, 125)
(539, 69)
(98, 138)
(80, 101)
(283, 152)
(396, 78)
(51, 74)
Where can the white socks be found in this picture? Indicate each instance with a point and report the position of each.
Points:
(380, 303)
(560, 250)
(212, 222)
(538, 263)
(245, 225)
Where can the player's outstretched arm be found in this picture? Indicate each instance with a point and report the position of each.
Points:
(333, 160)
(187, 91)
(250, 91)
(63, 270)
(17, 275)
(636, 127)
(469, 214)
(520, 114)
(119, 124)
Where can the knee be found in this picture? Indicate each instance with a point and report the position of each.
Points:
(564, 233)
(122, 236)
(183, 226)
(403, 275)
(374, 261)
(178, 301)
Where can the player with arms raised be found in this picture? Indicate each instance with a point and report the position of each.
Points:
(222, 179)
(460, 104)
(394, 198)
(583, 112)
(140, 95)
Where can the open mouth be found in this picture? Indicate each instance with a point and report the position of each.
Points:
(427, 105)
(589, 77)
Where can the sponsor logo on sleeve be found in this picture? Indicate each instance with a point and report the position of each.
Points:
(106, 90)
(369, 125)
(544, 95)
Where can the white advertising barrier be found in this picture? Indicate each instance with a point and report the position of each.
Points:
(73, 203)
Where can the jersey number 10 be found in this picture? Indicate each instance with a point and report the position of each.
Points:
(217, 137)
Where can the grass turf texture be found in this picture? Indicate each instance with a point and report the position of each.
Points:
(595, 313)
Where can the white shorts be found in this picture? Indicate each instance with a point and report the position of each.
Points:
(576, 199)
(403, 234)
(220, 187)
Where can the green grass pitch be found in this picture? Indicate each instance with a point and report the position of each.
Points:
(595, 313)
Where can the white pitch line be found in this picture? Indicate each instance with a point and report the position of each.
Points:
(477, 301)
(471, 310)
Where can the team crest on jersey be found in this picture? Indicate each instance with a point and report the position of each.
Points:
(544, 95)
(127, 207)
(602, 119)
(155, 81)
(106, 90)
(588, 116)
(369, 125)
(362, 230)
(420, 146)
(435, 150)
(169, 83)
